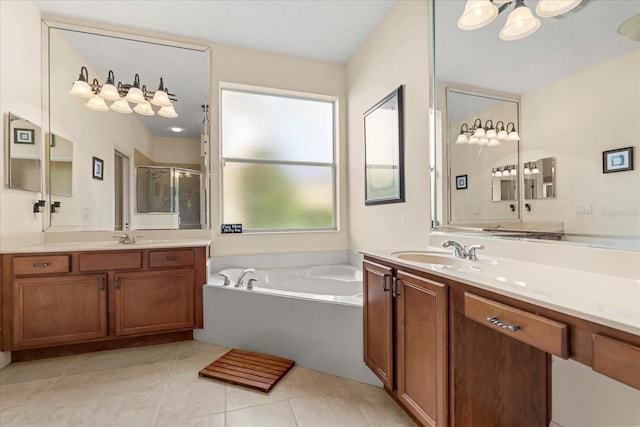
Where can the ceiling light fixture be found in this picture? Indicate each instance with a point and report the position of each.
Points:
(487, 134)
(122, 95)
(176, 129)
(520, 22)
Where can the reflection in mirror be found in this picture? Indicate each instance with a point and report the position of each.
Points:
(540, 179)
(60, 165)
(24, 142)
(477, 142)
(569, 75)
(504, 183)
(93, 78)
(171, 194)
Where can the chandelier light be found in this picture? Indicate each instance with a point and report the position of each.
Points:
(123, 94)
(520, 22)
(488, 135)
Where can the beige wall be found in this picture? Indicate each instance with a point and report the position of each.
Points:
(176, 151)
(250, 67)
(20, 93)
(396, 54)
(556, 124)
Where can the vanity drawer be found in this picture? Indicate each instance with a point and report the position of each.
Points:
(617, 360)
(171, 258)
(537, 331)
(41, 264)
(116, 260)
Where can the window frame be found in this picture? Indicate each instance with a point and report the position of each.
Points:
(259, 90)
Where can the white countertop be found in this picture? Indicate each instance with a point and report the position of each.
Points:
(112, 245)
(604, 299)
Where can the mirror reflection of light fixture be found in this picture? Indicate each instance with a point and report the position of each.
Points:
(487, 134)
(527, 169)
(520, 22)
(123, 94)
(80, 87)
(499, 172)
(513, 171)
(144, 108)
(535, 169)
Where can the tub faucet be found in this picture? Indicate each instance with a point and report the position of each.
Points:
(458, 250)
(251, 282)
(241, 278)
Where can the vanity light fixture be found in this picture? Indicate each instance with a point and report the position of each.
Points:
(487, 134)
(520, 22)
(527, 169)
(123, 94)
(513, 171)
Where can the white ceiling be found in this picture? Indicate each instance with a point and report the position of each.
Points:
(317, 29)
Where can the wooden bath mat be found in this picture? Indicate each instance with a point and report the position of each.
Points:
(253, 370)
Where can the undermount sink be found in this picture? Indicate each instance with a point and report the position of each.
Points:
(438, 260)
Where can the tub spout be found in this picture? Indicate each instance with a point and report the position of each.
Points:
(242, 276)
(251, 282)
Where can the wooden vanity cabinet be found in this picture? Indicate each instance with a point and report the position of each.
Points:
(59, 310)
(75, 302)
(405, 339)
(154, 301)
(444, 368)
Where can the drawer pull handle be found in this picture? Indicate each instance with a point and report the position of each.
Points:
(495, 321)
(173, 258)
(40, 264)
(101, 282)
(384, 283)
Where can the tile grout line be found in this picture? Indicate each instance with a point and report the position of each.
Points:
(164, 393)
(293, 411)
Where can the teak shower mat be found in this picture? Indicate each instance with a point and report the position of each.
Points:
(254, 370)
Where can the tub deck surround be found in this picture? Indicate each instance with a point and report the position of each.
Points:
(311, 314)
(607, 300)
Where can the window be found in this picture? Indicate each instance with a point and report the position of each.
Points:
(278, 161)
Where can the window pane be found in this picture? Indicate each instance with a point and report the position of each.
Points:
(267, 196)
(269, 127)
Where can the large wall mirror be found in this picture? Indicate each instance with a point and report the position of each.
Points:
(575, 83)
(119, 106)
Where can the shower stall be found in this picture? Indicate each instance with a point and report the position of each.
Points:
(169, 190)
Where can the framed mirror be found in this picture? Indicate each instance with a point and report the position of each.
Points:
(569, 75)
(383, 139)
(24, 154)
(129, 102)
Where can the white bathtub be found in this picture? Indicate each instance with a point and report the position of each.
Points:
(312, 315)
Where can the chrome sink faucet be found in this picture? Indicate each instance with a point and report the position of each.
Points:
(242, 276)
(125, 239)
(460, 251)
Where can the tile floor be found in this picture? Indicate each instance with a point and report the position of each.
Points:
(159, 386)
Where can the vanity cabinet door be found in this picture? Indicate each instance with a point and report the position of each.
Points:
(421, 322)
(59, 310)
(154, 301)
(378, 321)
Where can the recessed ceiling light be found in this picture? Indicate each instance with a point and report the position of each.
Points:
(176, 130)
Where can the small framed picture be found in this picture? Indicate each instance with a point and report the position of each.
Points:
(618, 160)
(23, 136)
(98, 168)
(461, 182)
